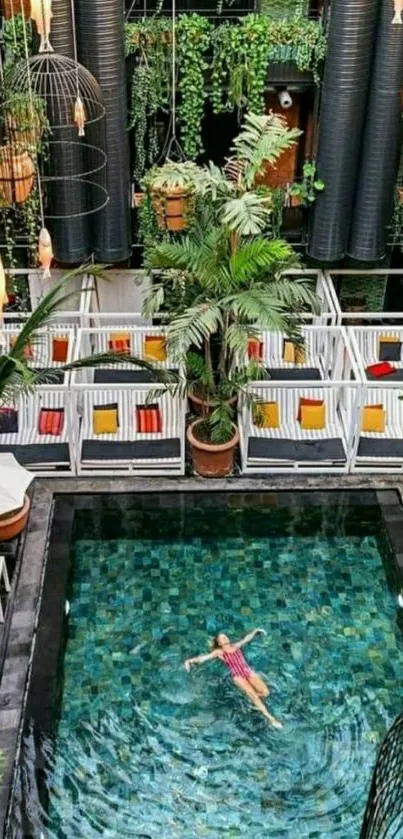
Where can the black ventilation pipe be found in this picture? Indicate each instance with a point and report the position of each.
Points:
(70, 236)
(344, 95)
(101, 50)
(380, 155)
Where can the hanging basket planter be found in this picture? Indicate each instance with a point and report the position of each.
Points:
(17, 174)
(172, 208)
(16, 7)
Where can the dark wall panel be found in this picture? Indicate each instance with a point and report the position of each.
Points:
(380, 154)
(71, 239)
(101, 50)
(344, 97)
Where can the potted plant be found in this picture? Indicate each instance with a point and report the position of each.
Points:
(172, 188)
(17, 172)
(222, 283)
(25, 120)
(306, 191)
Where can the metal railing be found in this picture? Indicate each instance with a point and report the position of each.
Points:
(383, 817)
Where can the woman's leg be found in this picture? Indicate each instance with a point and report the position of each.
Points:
(247, 688)
(259, 685)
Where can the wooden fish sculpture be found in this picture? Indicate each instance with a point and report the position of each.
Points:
(45, 252)
(41, 14)
(79, 116)
(398, 6)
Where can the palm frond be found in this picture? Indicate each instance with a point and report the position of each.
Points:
(247, 215)
(261, 141)
(193, 327)
(52, 301)
(250, 258)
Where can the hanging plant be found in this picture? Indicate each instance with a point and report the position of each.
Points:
(14, 40)
(149, 42)
(194, 33)
(242, 55)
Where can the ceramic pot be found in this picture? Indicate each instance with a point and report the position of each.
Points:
(12, 526)
(209, 460)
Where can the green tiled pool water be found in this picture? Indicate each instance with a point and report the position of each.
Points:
(146, 750)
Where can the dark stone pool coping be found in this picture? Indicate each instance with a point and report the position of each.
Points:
(22, 630)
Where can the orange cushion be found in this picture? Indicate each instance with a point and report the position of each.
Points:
(304, 400)
(154, 348)
(255, 349)
(313, 417)
(119, 342)
(60, 348)
(148, 419)
(51, 421)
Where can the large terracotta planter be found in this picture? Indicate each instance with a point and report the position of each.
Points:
(211, 461)
(12, 526)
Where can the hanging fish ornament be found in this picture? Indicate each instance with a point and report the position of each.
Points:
(45, 252)
(79, 116)
(41, 13)
(3, 299)
(398, 6)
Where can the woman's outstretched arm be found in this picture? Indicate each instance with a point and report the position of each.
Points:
(199, 659)
(249, 637)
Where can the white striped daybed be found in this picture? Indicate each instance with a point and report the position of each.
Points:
(321, 344)
(381, 451)
(41, 349)
(367, 340)
(290, 447)
(151, 453)
(96, 340)
(44, 453)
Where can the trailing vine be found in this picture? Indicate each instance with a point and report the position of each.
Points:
(194, 34)
(149, 43)
(233, 60)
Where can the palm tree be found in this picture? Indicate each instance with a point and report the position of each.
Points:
(17, 376)
(226, 279)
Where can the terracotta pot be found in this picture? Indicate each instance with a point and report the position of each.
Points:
(212, 461)
(295, 200)
(204, 408)
(16, 7)
(12, 526)
(138, 198)
(17, 173)
(171, 208)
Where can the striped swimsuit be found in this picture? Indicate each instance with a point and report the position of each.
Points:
(237, 664)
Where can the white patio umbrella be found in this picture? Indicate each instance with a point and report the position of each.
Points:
(14, 482)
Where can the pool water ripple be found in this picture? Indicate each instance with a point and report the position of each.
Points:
(146, 750)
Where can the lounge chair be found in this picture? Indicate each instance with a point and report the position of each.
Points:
(289, 447)
(380, 450)
(33, 447)
(127, 448)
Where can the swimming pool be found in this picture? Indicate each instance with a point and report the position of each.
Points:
(143, 749)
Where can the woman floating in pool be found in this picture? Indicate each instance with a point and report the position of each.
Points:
(243, 676)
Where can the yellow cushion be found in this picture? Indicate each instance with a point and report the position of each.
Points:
(300, 355)
(313, 417)
(289, 352)
(266, 415)
(154, 348)
(105, 421)
(373, 418)
(389, 339)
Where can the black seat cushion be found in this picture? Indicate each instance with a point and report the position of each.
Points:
(131, 450)
(264, 448)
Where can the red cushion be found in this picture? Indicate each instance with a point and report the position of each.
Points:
(148, 419)
(382, 368)
(51, 421)
(255, 349)
(60, 349)
(304, 400)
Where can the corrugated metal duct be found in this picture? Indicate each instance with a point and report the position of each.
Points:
(380, 156)
(101, 50)
(344, 96)
(70, 236)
